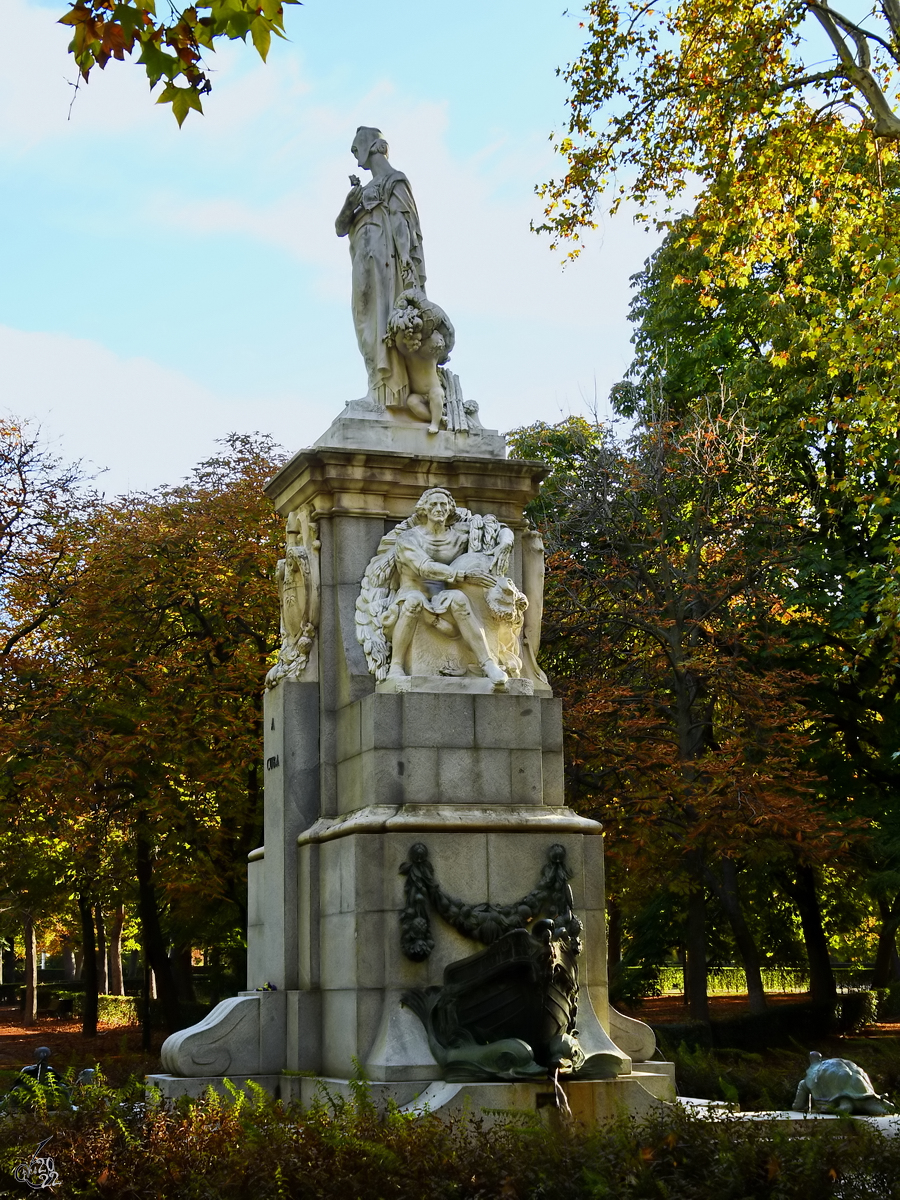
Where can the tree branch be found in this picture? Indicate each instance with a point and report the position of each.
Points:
(856, 32)
(891, 10)
(886, 122)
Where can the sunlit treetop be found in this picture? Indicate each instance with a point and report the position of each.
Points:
(662, 92)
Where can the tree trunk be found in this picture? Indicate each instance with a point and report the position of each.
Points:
(215, 974)
(68, 957)
(9, 961)
(102, 966)
(182, 967)
(89, 967)
(729, 896)
(146, 1024)
(613, 936)
(29, 1013)
(695, 964)
(802, 890)
(155, 950)
(116, 980)
(887, 942)
(133, 972)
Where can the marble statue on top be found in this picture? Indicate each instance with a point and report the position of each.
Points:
(436, 599)
(405, 338)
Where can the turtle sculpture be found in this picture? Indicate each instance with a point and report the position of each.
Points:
(839, 1086)
(41, 1082)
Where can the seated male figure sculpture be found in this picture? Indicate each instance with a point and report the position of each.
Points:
(419, 577)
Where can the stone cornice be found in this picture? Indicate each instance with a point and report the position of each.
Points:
(446, 818)
(386, 484)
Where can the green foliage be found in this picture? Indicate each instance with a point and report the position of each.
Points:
(665, 92)
(794, 326)
(766, 1078)
(241, 1146)
(112, 1011)
(856, 1010)
(888, 1002)
(797, 334)
(173, 49)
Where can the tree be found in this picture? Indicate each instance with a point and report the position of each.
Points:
(42, 500)
(143, 728)
(791, 249)
(830, 427)
(797, 211)
(661, 614)
(169, 50)
(663, 93)
(42, 503)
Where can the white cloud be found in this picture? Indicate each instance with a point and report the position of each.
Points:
(268, 166)
(145, 424)
(36, 85)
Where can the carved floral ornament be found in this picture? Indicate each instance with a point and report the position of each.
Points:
(485, 923)
(297, 575)
(436, 599)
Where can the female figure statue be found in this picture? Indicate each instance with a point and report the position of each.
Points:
(381, 220)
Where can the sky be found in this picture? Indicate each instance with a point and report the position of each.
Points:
(160, 288)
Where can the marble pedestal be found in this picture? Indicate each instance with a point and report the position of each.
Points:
(356, 774)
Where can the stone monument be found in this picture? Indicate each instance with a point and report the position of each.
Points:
(425, 909)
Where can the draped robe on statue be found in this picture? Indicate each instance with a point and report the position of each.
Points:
(385, 236)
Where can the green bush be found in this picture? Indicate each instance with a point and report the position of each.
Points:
(115, 1147)
(855, 1010)
(112, 1010)
(632, 985)
(888, 1002)
(732, 980)
(122, 1011)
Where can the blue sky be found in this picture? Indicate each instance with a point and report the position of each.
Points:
(161, 287)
